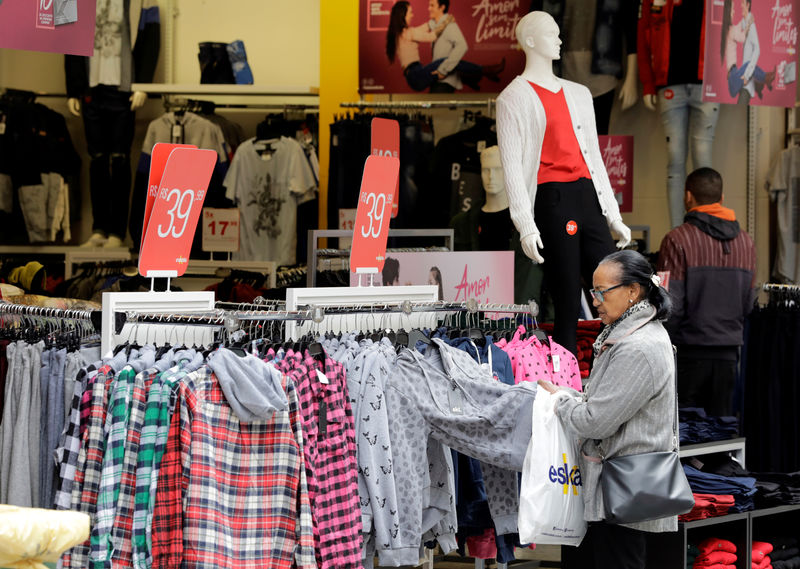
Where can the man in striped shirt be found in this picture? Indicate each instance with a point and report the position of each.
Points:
(709, 266)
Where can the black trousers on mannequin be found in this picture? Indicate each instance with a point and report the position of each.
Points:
(570, 253)
(607, 546)
(109, 122)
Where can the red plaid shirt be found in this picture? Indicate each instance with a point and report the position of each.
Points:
(231, 494)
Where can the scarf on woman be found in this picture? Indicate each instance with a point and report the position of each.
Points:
(606, 332)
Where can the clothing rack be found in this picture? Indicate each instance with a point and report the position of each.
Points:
(34, 94)
(487, 103)
(777, 287)
(196, 105)
(47, 312)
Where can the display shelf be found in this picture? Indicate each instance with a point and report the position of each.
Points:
(760, 513)
(73, 254)
(716, 520)
(735, 446)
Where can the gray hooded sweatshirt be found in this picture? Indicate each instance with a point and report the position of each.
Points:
(251, 386)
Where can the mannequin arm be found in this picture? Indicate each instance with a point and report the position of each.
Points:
(137, 100)
(623, 232)
(531, 244)
(74, 106)
(650, 102)
(630, 90)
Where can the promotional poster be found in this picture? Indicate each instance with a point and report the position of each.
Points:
(486, 276)
(59, 26)
(403, 43)
(617, 151)
(751, 52)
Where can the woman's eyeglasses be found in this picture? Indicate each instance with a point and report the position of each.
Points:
(598, 294)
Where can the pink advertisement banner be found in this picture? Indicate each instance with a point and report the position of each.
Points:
(486, 276)
(617, 151)
(59, 26)
(481, 32)
(751, 52)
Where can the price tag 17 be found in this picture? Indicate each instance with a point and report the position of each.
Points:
(178, 203)
(158, 161)
(220, 229)
(385, 141)
(372, 217)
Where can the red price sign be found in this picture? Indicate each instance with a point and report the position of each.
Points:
(158, 161)
(372, 217)
(386, 142)
(179, 200)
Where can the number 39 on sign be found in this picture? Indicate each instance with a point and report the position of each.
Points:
(172, 224)
(374, 211)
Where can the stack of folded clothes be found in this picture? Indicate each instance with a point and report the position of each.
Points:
(785, 552)
(708, 506)
(716, 553)
(698, 427)
(776, 489)
(759, 557)
(742, 488)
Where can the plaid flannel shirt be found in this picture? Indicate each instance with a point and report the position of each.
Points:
(331, 466)
(116, 426)
(90, 462)
(231, 494)
(69, 446)
(151, 449)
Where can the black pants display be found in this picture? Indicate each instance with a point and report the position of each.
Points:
(607, 546)
(707, 383)
(108, 122)
(570, 252)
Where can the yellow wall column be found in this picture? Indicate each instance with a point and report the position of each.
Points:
(338, 78)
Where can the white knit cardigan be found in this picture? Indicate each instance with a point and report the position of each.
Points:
(521, 124)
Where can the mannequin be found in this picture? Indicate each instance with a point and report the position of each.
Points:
(672, 77)
(100, 88)
(561, 201)
(494, 220)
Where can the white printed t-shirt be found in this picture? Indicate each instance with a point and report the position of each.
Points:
(267, 192)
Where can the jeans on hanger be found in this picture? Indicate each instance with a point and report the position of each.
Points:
(108, 121)
(685, 118)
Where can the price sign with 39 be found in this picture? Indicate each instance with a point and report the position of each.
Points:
(374, 211)
(173, 221)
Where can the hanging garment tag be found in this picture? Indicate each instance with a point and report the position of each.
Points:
(321, 377)
(481, 145)
(2, 125)
(556, 363)
(266, 156)
(323, 418)
(456, 400)
(177, 133)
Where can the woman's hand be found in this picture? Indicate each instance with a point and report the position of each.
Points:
(548, 386)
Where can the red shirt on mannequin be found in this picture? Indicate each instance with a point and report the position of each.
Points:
(561, 159)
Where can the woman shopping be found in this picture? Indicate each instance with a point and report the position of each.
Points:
(402, 44)
(627, 406)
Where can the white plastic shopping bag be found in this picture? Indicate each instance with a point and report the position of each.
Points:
(551, 496)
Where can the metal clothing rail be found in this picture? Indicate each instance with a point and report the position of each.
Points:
(488, 103)
(777, 287)
(47, 312)
(408, 307)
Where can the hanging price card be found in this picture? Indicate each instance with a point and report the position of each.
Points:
(158, 161)
(173, 221)
(385, 140)
(372, 217)
(220, 229)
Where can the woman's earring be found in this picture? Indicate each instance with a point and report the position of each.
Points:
(630, 301)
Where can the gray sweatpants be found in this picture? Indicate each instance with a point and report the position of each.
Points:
(487, 420)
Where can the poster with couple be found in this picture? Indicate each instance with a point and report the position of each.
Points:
(751, 52)
(413, 46)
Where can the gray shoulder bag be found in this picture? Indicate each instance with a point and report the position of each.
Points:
(646, 486)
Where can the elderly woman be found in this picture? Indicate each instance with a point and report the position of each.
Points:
(627, 406)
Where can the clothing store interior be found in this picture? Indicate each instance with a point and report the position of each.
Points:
(267, 397)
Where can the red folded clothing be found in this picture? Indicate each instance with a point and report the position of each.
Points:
(715, 544)
(760, 550)
(765, 564)
(715, 566)
(715, 558)
(708, 506)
